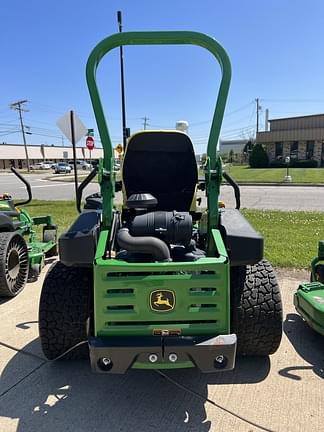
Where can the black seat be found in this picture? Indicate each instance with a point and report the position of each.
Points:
(163, 164)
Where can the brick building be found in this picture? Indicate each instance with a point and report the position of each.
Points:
(300, 138)
(14, 154)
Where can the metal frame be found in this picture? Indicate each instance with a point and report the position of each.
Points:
(213, 171)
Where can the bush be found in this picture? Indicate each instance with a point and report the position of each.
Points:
(277, 164)
(258, 157)
(303, 163)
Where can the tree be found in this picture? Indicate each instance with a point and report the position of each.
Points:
(258, 157)
(203, 160)
(231, 156)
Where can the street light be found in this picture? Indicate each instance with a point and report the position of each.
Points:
(287, 177)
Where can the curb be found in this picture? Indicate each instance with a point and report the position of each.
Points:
(280, 184)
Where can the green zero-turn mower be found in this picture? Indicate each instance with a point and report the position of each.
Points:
(22, 255)
(159, 284)
(309, 298)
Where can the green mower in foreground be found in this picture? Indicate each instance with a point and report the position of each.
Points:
(22, 254)
(161, 283)
(309, 298)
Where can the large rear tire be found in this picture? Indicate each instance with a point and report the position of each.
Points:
(256, 309)
(50, 235)
(14, 264)
(64, 311)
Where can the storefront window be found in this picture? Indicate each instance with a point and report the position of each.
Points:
(309, 149)
(278, 150)
(294, 150)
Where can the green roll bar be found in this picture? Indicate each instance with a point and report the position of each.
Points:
(213, 165)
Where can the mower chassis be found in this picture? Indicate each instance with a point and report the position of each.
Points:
(128, 330)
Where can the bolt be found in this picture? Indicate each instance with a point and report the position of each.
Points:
(219, 359)
(105, 364)
(153, 358)
(173, 357)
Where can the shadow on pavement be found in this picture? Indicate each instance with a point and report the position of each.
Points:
(66, 395)
(307, 343)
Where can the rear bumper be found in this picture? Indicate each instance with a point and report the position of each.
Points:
(118, 354)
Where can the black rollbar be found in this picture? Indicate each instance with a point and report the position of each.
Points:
(26, 183)
(236, 188)
(82, 185)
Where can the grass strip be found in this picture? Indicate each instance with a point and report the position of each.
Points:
(291, 238)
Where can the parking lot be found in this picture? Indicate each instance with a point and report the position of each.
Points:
(280, 393)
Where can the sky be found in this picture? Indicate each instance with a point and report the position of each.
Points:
(275, 48)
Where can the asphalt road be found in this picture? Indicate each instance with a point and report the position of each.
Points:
(283, 393)
(259, 197)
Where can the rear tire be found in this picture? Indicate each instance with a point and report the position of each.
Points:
(14, 264)
(64, 311)
(256, 309)
(50, 235)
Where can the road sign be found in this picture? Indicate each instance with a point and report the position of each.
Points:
(64, 124)
(90, 143)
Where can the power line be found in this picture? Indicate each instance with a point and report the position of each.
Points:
(145, 122)
(257, 114)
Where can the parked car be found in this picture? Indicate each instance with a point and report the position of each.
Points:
(117, 165)
(81, 165)
(40, 166)
(51, 164)
(62, 167)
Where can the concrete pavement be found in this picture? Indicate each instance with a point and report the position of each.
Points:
(283, 393)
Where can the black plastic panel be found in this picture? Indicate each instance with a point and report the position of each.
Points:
(124, 351)
(244, 244)
(77, 246)
(7, 224)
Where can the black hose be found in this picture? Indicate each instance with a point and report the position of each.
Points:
(151, 245)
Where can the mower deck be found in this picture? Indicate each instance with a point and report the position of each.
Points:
(309, 303)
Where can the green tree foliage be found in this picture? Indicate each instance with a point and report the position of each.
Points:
(258, 157)
(231, 156)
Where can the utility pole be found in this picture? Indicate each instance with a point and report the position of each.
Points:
(145, 122)
(258, 107)
(19, 106)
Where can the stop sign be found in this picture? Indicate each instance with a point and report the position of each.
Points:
(90, 143)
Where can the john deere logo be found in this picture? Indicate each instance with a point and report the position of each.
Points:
(162, 300)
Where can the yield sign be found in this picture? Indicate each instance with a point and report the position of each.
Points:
(64, 124)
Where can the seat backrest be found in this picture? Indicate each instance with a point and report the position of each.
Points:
(163, 164)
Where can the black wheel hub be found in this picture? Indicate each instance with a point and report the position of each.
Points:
(16, 269)
(13, 264)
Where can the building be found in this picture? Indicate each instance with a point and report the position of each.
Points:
(301, 138)
(234, 146)
(14, 154)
